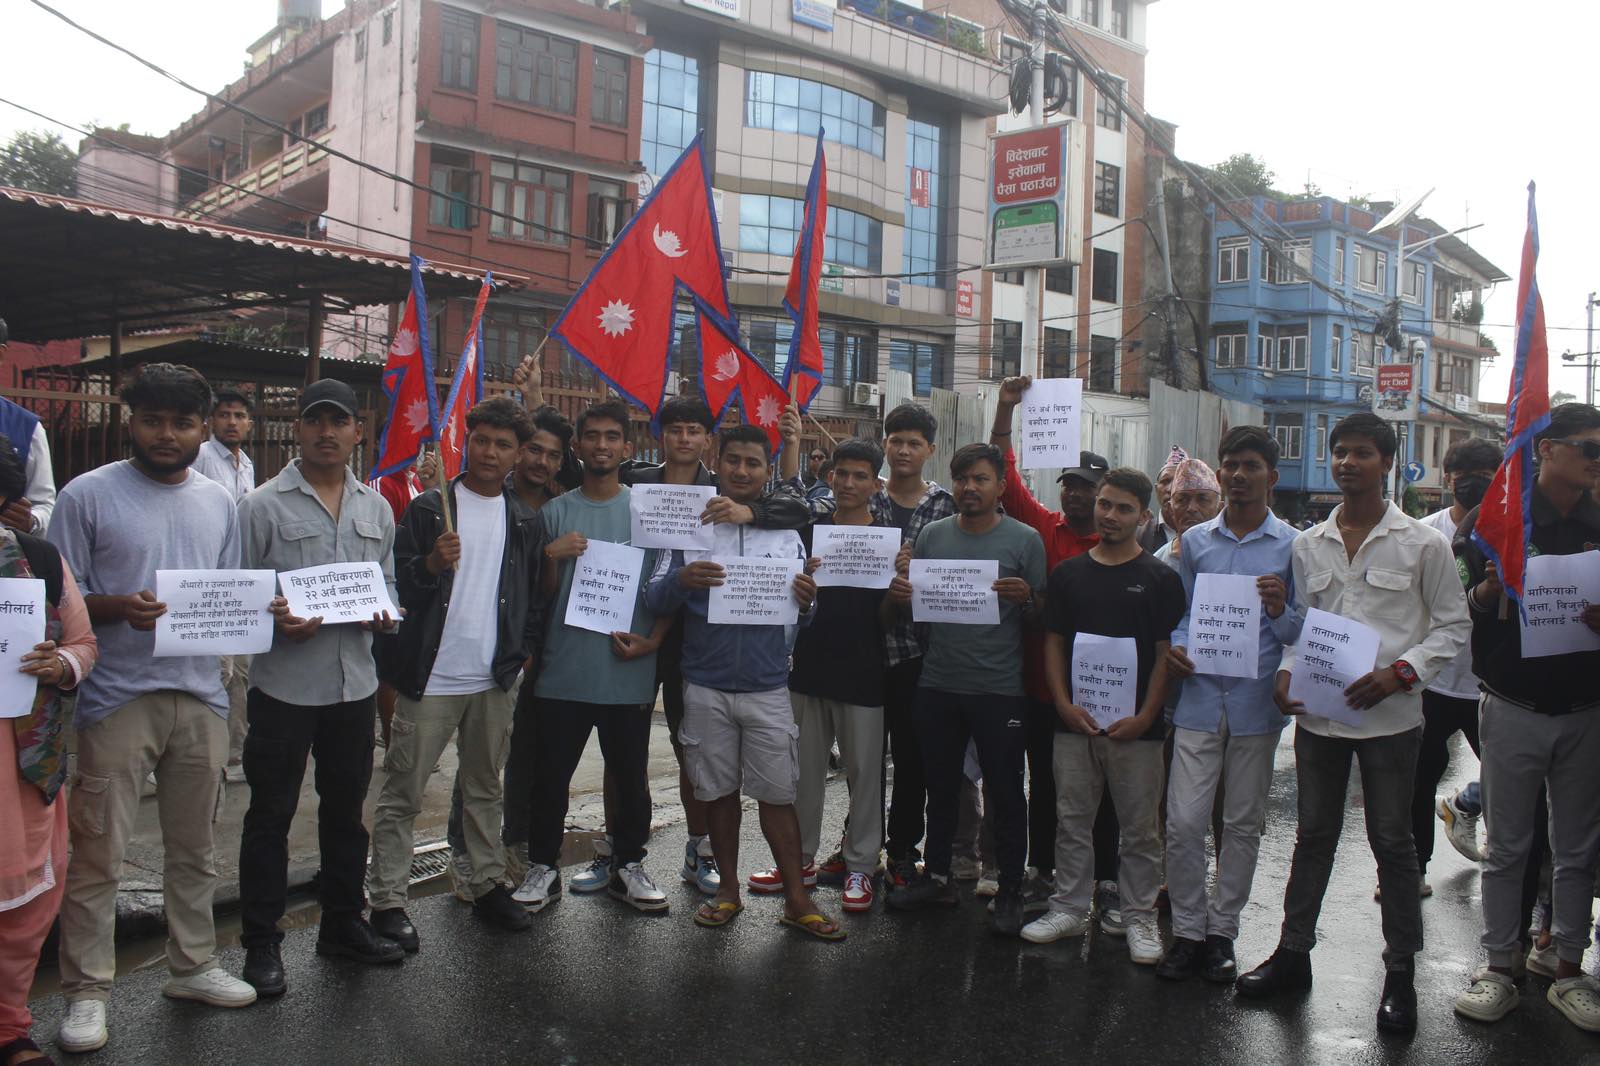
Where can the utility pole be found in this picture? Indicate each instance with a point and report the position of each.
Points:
(1588, 373)
(1033, 277)
(1169, 340)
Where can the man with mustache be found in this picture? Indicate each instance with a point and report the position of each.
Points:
(115, 527)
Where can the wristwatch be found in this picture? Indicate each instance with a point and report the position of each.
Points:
(1406, 673)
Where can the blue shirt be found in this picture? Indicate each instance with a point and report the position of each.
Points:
(1247, 704)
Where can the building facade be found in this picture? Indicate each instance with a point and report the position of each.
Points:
(1299, 327)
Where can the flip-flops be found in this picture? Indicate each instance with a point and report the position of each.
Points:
(716, 913)
(817, 925)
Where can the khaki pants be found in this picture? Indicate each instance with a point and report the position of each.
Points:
(419, 733)
(186, 743)
(236, 679)
(1132, 772)
(860, 733)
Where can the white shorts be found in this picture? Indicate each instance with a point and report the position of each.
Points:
(734, 739)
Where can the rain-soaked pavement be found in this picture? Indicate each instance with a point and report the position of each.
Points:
(594, 981)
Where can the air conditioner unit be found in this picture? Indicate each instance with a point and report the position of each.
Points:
(865, 394)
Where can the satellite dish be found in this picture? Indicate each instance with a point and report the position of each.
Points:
(1400, 214)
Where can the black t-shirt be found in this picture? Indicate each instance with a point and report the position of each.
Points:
(1142, 598)
(900, 516)
(839, 656)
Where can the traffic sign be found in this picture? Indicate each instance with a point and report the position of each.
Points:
(1413, 471)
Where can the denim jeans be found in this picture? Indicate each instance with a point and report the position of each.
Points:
(1322, 774)
(1442, 717)
(946, 721)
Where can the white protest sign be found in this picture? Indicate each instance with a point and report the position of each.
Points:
(1334, 652)
(1556, 589)
(1225, 625)
(668, 516)
(1105, 677)
(337, 592)
(1047, 423)
(605, 586)
(214, 612)
(862, 556)
(958, 591)
(22, 620)
(755, 591)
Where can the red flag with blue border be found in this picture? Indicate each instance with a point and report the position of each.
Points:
(408, 384)
(727, 369)
(800, 297)
(466, 389)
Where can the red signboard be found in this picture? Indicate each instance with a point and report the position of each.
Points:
(1028, 166)
(1395, 377)
(921, 181)
(963, 299)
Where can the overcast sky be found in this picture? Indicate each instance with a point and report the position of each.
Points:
(1378, 97)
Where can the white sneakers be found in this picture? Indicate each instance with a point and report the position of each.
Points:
(1144, 939)
(540, 888)
(216, 987)
(84, 1027)
(1543, 960)
(1461, 828)
(1110, 904)
(633, 886)
(988, 885)
(1491, 997)
(1054, 925)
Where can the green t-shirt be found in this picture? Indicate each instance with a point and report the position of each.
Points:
(982, 659)
(578, 664)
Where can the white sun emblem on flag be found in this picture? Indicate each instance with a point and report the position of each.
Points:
(767, 411)
(416, 415)
(405, 343)
(727, 366)
(616, 318)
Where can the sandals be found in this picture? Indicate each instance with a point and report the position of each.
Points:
(818, 925)
(714, 914)
(1490, 998)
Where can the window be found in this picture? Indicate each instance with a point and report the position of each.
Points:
(1232, 348)
(1008, 277)
(671, 107)
(536, 196)
(1119, 18)
(797, 105)
(1362, 345)
(1103, 364)
(1290, 431)
(1372, 269)
(1058, 279)
(847, 357)
(1293, 267)
(1005, 354)
(1287, 346)
(1103, 282)
(455, 188)
(1454, 374)
(361, 45)
(1336, 351)
(1108, 189)
(316, 120)
(771, 224)
(1233, 259)
(1414, 283)
(610, 102)
(1057, 354)
(458, 49)
(769, 340)
(928, 364)
(1338, 260)
(388, 26)
(508, 335)
(924, 230)
(1322, 438)
(535, 68)
(1107, 109)
(1091, 12)
(609, 210)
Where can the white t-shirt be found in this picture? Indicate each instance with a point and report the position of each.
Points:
(1457, 678)
(465, 662)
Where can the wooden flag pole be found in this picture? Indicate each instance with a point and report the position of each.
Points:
(443, 484)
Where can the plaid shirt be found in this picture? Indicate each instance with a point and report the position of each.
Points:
(936, 503)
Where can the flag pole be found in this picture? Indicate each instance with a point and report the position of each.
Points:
(443, 484)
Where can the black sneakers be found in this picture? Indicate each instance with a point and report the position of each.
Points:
(1007, 919)
(498, 909)
(1220, 967)
(1182, 960)
(924, 890)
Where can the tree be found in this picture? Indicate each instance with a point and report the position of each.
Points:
(1560, 397)
(1245, 175)
(39, 162)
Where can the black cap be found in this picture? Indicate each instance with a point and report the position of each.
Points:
(1090, 468)
(329, 391)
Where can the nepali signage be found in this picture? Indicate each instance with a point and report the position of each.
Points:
(730, 9)
(1394, 393)
(1031, 199)
(816, 13)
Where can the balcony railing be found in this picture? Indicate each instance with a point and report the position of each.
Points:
(948, 30)
(262, 178)
(1460, 333)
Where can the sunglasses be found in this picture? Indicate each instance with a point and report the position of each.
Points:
(1589, 448)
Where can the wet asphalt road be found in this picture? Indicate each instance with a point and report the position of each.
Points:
(595, 981)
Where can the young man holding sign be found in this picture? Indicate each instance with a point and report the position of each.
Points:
(116, 527)
(474, 619)
(1109, 614)
(1540, 723)
(1226, 725)
(971, 684)
(738, 724)
(595, 676)
(312, 693)
(1390, 578)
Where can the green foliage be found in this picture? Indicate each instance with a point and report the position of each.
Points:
(1246, 175)
(39, 162)
(1560, 397)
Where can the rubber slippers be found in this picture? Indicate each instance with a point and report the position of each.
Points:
(715, 913)
(818, 925)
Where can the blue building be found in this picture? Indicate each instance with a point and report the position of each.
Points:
(1299, 327)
